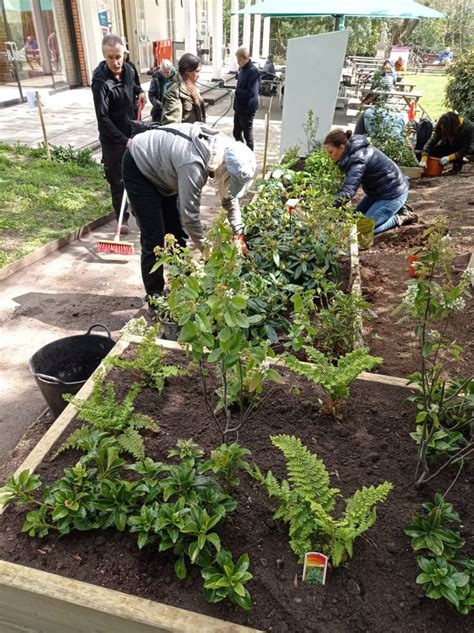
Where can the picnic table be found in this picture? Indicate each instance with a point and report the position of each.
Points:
(394, 96)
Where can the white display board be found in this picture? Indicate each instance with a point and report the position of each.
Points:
(313, 72)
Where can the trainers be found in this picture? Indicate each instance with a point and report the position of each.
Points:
(124, 229)
(406, 215)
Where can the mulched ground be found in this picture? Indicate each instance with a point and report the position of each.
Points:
(375, 592)
(384, 270)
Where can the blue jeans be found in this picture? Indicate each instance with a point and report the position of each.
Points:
(382, 211)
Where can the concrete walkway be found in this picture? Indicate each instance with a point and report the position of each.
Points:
(74, 287)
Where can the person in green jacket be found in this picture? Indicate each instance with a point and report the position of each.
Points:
(183, 101)
(452, 139)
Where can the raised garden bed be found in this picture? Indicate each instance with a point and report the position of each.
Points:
(375, 592)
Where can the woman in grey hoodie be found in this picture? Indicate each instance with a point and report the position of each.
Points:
(164, 173)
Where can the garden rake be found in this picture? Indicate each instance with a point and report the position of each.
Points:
(115, 245)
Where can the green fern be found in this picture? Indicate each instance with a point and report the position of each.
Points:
(306, 473)
(333, 378)
(131, 442)
(149, 362)
(108, 422)
(307, 500)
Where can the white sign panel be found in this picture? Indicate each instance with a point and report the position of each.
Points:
(313, 73)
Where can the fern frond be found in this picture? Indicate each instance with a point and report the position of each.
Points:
(74, 440)
(306, 473)
(338, 554)
(312, 372)
(360, 512)
(142, 421)
(131, 442)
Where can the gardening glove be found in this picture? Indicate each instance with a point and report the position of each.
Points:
(242, 244)
(444, 160)
(423, 162)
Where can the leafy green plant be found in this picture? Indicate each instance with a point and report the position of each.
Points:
(161, 308)
(210, 306)
(67, 154)
(440, 579)
(106, 419)
(306, 502)
(225, 579)
(445, 572)
(443, 405)
(172, 505)
(384, 138)
(460, 87)
(431, 532)
(149, 361)
(333, 377)
(225, 462)
(311, 130)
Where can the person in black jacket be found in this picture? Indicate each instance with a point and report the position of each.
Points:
(385, 186)
(114, 90)
(453, 138)
(246, 97)
(159, 87)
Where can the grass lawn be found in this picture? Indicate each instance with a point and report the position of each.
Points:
(41, 201)
(432, 88)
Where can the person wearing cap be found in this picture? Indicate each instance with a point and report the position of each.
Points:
(114, 90)
(164, 172)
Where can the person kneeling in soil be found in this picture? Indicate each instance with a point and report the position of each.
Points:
(385, 186)
(453, 138)
(164, 172)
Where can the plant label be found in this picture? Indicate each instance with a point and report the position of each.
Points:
(315, 568)
(291, 204)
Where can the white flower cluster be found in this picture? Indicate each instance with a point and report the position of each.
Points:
(455, 304)
(409, 297)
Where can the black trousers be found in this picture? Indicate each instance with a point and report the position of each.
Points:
(156, 215)
(112, 156)
(243, 127)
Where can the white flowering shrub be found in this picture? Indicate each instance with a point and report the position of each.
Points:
(445, 406)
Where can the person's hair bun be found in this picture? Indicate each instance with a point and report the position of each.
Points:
(348, 134)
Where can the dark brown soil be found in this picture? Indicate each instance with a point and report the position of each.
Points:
(384, 270)
(375, 592)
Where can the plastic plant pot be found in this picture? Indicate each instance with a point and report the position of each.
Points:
(433, 167)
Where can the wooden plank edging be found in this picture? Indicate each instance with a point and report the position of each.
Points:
(41, 602)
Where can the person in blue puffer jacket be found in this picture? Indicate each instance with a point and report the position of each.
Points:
(385, 186)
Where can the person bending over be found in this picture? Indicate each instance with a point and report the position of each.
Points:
(453, 138)
(183, 101)
(385, 187)
(165, 170)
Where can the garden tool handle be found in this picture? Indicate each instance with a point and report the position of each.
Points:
(99, 325)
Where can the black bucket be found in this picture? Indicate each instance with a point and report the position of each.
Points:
(63, 366)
